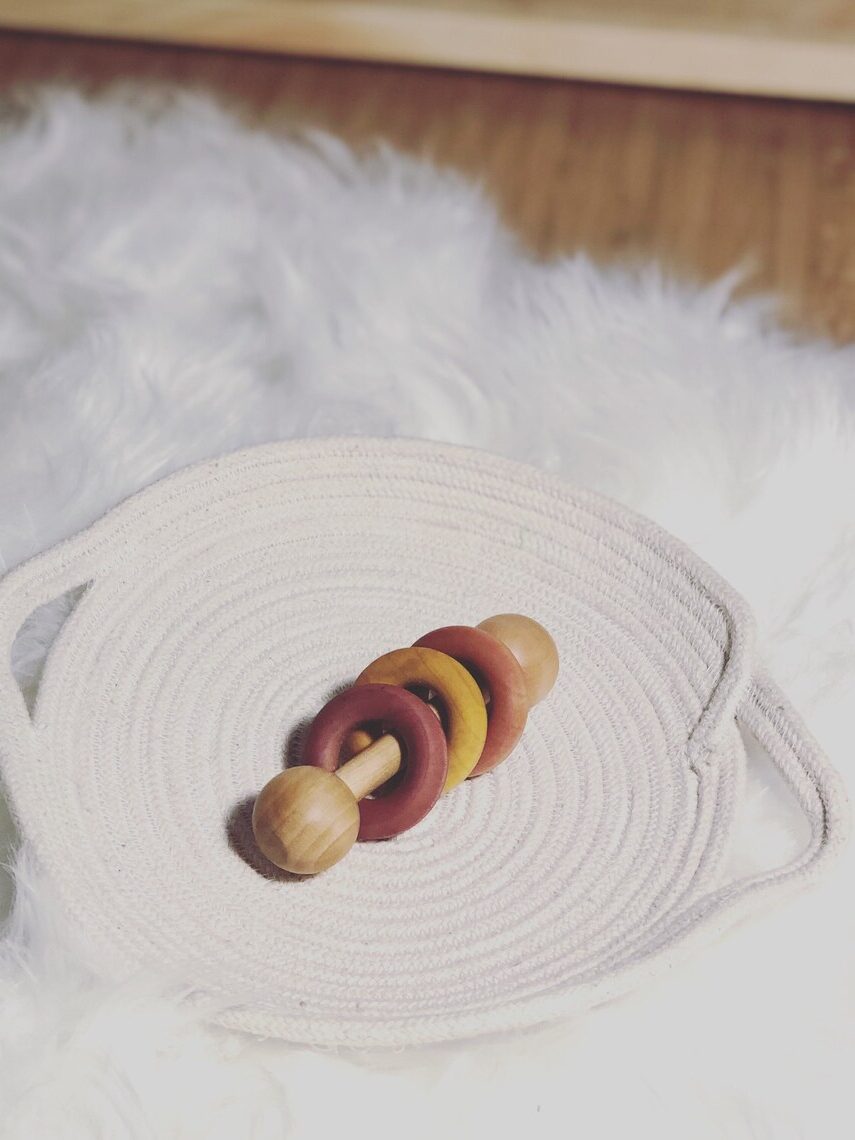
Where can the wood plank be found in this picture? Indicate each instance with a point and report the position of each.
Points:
(768, 47)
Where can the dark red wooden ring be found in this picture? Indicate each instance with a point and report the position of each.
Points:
(422, 741)
(493, 665)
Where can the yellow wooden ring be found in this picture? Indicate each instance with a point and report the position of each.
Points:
(456, 688)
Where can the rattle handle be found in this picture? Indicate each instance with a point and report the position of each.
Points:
(371, 767)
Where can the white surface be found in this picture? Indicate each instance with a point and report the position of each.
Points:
(176, 287)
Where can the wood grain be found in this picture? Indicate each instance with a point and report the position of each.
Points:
(378, 762)
(305, 820)
(779, 47)
(532, 646)
(700, 182)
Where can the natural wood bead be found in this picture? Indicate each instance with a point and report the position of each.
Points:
(532, 646)
(305, 820)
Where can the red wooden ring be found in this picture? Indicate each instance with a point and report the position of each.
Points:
(493, 665)
(422, 742)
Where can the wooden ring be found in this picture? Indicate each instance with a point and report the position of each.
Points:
(422, 741)
(496, 669)
(466, 713)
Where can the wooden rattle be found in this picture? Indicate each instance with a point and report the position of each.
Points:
(484, 680)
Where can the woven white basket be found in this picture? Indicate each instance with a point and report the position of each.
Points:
(227, 602)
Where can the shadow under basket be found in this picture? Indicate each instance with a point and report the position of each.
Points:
(227, 601)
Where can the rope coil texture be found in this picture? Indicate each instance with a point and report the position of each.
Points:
(226, 603)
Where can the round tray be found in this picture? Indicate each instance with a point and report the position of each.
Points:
(224, 606)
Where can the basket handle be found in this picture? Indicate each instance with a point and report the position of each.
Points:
(30, 585)
(769, 717)
(776, 726)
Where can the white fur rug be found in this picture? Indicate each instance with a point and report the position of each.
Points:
(174, 286)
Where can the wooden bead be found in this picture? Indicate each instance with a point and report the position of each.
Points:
(305, 820)
(532, 646)
(456, 689)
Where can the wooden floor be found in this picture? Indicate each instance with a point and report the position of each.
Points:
(701, 182)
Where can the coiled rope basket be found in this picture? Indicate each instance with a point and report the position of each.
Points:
(226, 603)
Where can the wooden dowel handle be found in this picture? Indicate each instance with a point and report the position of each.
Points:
(359, 743)
(372, 767)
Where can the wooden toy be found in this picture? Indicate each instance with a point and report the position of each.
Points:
(481, 683)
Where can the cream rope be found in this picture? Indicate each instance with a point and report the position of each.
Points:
(229, 600)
